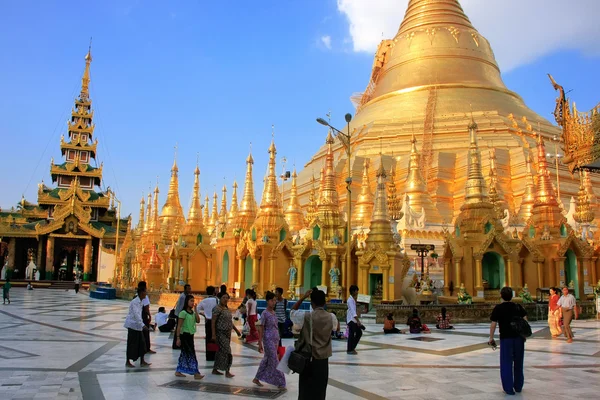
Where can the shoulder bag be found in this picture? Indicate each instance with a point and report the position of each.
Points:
(300, 358)
(520, 325)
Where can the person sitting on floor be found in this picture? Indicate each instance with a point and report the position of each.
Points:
(335, 333)
(389, 325)
(164, 322)
(415, 325)
(443, 320)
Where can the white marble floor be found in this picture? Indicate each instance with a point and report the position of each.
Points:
(56, 344)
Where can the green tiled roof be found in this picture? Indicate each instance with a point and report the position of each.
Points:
(107, 228)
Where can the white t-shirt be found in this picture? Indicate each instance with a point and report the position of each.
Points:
(206, 307)
(161, 318)
(251, 307)
(145, 302)
(351, 313)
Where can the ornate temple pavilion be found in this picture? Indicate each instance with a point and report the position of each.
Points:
(64, 234)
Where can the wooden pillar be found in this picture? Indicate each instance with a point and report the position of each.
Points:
(447, 277)
(457, 273)
(87, 260)
(386, 285)
(478, 276)
(40, 250)
(324, 271)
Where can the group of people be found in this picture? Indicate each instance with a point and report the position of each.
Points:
(561, 310)
(414, 323)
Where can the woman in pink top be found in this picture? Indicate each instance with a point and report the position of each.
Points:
(554, 313)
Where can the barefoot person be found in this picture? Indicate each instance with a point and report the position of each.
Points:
(252, 337)
(268, 340)
(554, 313)
(136, 346)
(568, 309)
(186, 328)
(222, 325)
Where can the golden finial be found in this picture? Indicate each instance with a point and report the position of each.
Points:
(475, 187)
(206, 215)
(380, 231)
(247, 212)
(223, 213)
(233, 211)
(546, 210)
(293, 213)
(328, 210)
(142, 215)
(85, 80)
(270, 213)
(195, 222)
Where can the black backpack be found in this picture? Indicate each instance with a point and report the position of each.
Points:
(520, 325)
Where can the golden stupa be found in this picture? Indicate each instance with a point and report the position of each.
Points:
(430, 80)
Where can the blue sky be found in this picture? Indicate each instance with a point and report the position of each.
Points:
(209, 76)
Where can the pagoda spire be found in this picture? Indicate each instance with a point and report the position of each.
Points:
(214, 213)
(545, 213)
(328, 209)
(363, 210)
(194, 222)
(293, 213)
(393, 201)
(475, 188)
(172, 212)
(529, 195)
(223, 213)
(233, 211)
(584, 214)
(270, 216)
(493, 191)
(85, 79)
(247, 213)
(380, 232)
(148, 223)
(206, 216)
(416, 189)
(311, 208)
(427, 12)
(140, 226)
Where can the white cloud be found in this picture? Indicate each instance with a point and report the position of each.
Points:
(326, 41)
(520, 31)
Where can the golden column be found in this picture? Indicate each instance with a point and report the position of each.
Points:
(344, 278)
(386, 285)
(509, 272)
(271, 271)
(478, 277)
(447, 277)
(300, 268)
(324, 271)
(241, 273)
(255, 272)
(188, 268)
(593, 267)
(209, 271)
(540, 273)
(87, 260)
(457, 273)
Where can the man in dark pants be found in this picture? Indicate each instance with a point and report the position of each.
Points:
(280, 312)
(512, 345)
(187, 289)
(354, 325)
(314, 379)
(205, 308)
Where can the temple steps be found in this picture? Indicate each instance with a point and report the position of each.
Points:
(62, 285)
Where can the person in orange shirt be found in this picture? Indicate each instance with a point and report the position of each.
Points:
(389, 325)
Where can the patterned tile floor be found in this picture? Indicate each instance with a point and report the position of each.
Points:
(56, 344)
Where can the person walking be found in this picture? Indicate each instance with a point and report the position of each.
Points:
(6, 291)
(147, 318)
(77, 283)
(568, 309)
(187, 290)
(186, 328)
(252, 318)
(316, 333)
(512, 344)
(554, 313)
(354, 326)
(136, 346)
(268, 341)
(205, 308)
(280, 312)
(222, 325)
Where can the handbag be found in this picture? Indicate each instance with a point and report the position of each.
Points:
(212, 347)
(521, 326)
(280, 352)
(300, 358)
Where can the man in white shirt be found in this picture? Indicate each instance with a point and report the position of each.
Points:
(354, 326)
(146, 317)
(163, 322)
(205, 308)
(568, 308)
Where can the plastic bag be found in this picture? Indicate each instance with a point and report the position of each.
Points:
(283, 363)
(237, 315)
(246, 329)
